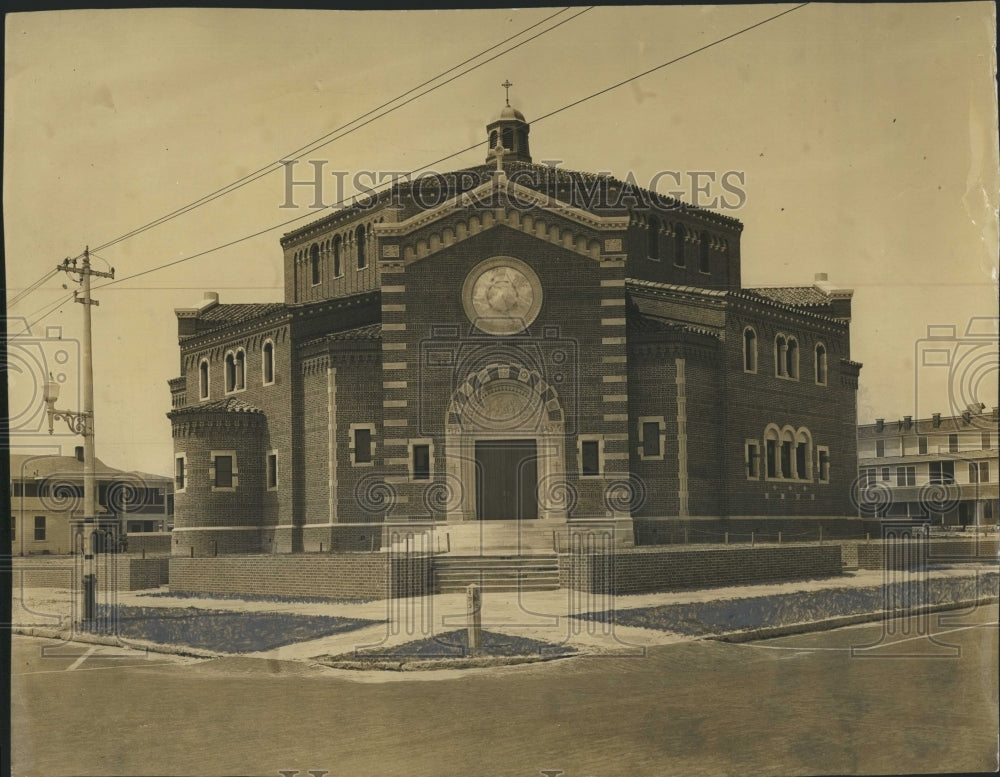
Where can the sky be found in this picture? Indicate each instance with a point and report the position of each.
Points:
(865, 135)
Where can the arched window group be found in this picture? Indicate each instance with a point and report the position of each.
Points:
(786, 357)
(235, 371)
(354, 245)
(788, 453)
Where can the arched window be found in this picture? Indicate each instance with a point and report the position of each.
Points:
(508, 139)
(771, 457)
(780, 356)
(203, 379)
(803, 454)
(821, 364)
(241, 363)
(359, 238)
(679, 233)
(230, 372)
(267, 362)
(792, 359)
(337, 271)
(653, 239)
(703, 264)
(749, 350)
(314, 263)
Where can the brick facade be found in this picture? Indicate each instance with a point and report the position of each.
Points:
(648, 570)
(342, 576)
(610, 313)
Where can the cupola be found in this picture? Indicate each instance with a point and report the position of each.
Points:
(511, 130)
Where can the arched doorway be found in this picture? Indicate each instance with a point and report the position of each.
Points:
(505, 443)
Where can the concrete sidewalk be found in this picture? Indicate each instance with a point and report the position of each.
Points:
(542, 615)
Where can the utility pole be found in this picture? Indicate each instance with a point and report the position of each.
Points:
(83, 423)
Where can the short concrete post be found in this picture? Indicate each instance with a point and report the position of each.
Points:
(685, 535)
(779, 537)
(474, 618)
(751, 539)
(727, 538)
(868, 537)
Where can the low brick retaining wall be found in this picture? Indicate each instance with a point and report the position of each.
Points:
(327, 576)
(649, 570)
(672, 531)
(132, 573)
(154, 543)
(915, 552)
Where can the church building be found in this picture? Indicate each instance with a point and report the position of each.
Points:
(504, 356)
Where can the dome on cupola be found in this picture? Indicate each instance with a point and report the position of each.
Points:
(510, 130)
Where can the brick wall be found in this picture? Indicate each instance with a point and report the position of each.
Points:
(152, 542)
(341, 576)
(647, 570)
(906, 554)
(668, 531)
(131, 573)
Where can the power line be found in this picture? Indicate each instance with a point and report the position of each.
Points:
(326, 139)
(575, 103)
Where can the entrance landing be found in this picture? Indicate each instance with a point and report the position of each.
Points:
(502, 538)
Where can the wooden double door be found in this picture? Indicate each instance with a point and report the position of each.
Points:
(506, 480)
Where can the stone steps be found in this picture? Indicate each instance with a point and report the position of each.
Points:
(452, 574)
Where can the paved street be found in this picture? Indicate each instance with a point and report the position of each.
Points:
(805, 704)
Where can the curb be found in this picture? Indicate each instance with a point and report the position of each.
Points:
(770, 632)
(114, 641)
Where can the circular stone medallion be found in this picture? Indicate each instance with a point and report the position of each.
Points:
(502, 295)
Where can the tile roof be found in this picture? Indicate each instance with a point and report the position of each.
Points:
(227, 405)
(219, 316)
(369, 332)
(797, 296)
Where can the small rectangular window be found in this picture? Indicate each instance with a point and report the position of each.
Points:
(772, 458)
(272, 471)
(987, 441)
(362, 445)
(39, 527)
(753, 460)
(973, 472)
(422, 462)
(953, 443)
(651, 439)
(223, 471)
(13, 529)
(179, 473)
(885, 473)
(984, 472)
(824, 466)
(800, 461)
(922, 444)
(590, 458)
(900, 476)
(880, 448)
